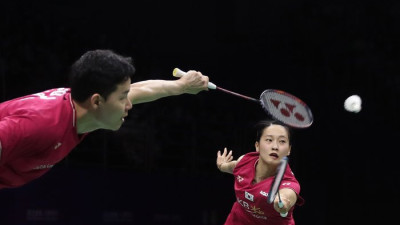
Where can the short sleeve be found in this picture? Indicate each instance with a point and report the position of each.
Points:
(290, 181)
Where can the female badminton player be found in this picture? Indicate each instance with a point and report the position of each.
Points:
(254, 173)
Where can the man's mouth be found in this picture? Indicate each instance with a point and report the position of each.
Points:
(123, 118)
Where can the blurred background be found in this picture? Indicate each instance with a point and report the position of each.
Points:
(159, 168)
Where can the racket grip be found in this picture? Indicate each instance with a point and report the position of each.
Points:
(179, 73)
(280, 204)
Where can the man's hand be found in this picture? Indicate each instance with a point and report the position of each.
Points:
(194, 82)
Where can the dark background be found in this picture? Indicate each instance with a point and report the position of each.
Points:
(159, 168)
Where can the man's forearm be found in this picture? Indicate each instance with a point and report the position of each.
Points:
(146, 91)
(150, 90)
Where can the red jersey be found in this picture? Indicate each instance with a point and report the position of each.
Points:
(251, 205)
(36, 132)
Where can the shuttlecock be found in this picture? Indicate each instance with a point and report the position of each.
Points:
(353, 104)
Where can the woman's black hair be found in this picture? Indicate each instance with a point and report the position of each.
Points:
(261, 125)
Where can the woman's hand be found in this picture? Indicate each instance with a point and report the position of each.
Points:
(225, 157)
(288, 198)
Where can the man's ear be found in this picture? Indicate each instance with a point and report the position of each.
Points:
(95, 100)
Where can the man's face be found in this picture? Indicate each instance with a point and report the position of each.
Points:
(111, 113)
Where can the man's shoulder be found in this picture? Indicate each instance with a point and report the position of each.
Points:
(48, 99)
(48, 108)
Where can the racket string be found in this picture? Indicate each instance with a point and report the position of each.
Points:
(286, 108)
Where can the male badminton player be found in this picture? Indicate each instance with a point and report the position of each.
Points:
(39, 130)
(254, 173)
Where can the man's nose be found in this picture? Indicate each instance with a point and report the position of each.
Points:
(129, 105)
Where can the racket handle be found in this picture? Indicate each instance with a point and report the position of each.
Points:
(179, 73)
(280, 204)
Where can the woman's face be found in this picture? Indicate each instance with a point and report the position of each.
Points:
(273, 144)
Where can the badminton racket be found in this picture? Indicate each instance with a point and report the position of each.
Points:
(277, 182)
(280, 105)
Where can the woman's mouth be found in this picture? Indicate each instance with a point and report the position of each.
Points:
(274, 155)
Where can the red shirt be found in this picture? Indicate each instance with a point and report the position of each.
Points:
(251, 205)
(36, 132)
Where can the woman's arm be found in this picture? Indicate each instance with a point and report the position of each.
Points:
(225, 162)
(288, 197)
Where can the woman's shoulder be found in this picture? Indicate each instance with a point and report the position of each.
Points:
(249, 157)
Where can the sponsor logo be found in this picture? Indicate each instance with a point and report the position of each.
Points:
(264, 193)
(256, 210)
(252, 209)
(57, 145)
(42, 167)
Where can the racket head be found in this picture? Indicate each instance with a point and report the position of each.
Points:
(277, 180)
(286, 108)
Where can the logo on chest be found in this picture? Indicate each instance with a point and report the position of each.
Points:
(57, 145)
(264, 193)
(42, 167)
(249, 196)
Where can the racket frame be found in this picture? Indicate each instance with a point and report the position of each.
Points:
(276, 183)
(277, 180)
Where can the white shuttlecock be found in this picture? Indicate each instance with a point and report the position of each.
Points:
(353, 104)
